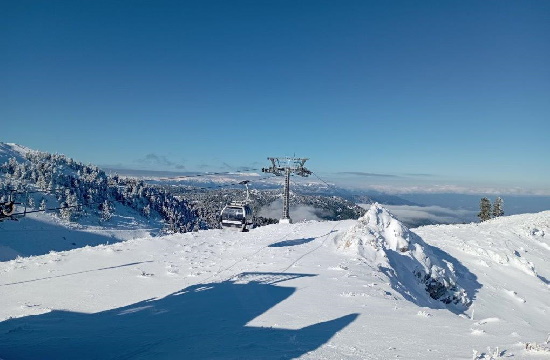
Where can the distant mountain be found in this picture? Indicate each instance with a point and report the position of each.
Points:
(300, 185)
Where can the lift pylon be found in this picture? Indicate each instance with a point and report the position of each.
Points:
(285, 166)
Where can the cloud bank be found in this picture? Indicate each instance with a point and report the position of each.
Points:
(297, 212)
(414, 216)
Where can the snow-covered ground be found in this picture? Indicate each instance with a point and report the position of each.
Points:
(312, 290)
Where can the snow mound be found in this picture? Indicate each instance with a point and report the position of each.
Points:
(404, 257)
(516, 241)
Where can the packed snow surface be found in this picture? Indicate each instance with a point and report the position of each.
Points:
(311, 290)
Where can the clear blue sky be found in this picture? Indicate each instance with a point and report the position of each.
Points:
(447, 92)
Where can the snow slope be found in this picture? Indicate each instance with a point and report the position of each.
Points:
(283, 291)
(40, 233)
(11, 150)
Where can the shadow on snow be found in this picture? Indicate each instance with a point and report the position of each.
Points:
(29, 237)
(294, 242)
(404, 282)
(207, 321)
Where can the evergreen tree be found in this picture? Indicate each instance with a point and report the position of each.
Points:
(43, 204)
(69, 208)
(65, 211)
(30, 202)
(484, 209)
(106, 211)
(498, 205)
(147, 211)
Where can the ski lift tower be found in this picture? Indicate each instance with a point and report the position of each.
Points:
(286, 166)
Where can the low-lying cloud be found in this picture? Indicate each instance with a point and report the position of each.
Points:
(297, 212)
(367, 174)
(397, 189)
(414, 216)
(419, 215)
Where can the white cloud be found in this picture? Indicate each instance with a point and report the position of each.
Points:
(434, 214)
(297, 212)
(456, 189)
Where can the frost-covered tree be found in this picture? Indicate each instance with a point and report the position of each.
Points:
(70, 207)
(43, 204)
(30, 202)
(106, 211)
(484, 209)
(65, 212)
(147, 211)
(498, 207)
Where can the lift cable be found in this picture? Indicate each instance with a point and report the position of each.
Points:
(150, 178)
(14, 215)
(326, 183)
(226, 185)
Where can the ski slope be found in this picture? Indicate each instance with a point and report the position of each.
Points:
(284, 291)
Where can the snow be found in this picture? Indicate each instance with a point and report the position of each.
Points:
(411, 264)
(40, 233)
(11, 150)
(309, 290)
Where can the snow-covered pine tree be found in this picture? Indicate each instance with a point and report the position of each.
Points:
(69, 208)
(498, 207)
(484, 209)
(147, 211)
(30, 202)
(106, 211)
(43, 204)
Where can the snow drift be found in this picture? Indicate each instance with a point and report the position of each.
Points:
(411, 265)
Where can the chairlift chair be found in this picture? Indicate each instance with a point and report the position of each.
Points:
(7, 208)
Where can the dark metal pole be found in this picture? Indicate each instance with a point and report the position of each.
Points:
(286, 197)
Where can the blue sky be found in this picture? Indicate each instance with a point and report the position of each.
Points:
(411, 93)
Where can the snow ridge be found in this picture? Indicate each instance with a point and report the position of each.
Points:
(404, 257)
(11, 150)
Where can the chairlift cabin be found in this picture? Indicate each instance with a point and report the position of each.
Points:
(239, 213)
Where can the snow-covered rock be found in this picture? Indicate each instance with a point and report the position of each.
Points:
(404, 257)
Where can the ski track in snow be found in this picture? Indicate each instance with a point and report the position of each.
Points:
(141, 290)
